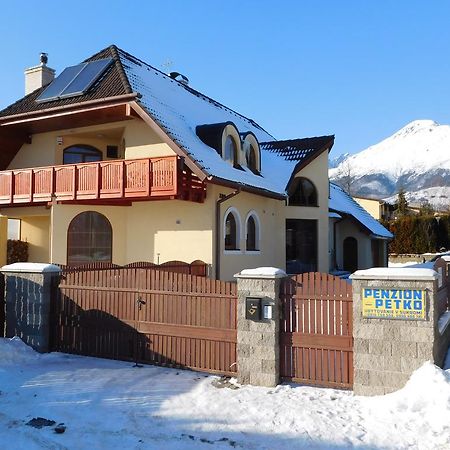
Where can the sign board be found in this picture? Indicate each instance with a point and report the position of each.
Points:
(406, 304)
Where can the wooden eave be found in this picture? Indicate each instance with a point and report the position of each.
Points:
(17, 130)
(327, 147)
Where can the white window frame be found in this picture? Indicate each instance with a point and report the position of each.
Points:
(257, 231)
(237, 218)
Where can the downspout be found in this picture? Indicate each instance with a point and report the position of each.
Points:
(335, 241)
(222, 199)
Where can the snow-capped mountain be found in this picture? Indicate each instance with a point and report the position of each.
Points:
(416, 158)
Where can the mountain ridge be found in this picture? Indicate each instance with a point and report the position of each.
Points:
(415, 158)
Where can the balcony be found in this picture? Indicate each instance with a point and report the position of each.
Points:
(104, 181)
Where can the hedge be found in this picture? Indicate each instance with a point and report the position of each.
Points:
(419, 234)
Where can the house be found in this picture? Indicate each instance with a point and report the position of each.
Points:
(357, 240)
(378, 209)
(115, 161)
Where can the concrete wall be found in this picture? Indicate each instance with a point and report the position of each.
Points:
(36, 231)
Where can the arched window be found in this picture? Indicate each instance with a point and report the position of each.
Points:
(303, 193)
(252, 232)
(232, 228)
(230, 151)
(250, 156)
(89, 239)
(81, 154)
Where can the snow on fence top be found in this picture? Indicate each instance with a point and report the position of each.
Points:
(30, 267)
(395, 273)
(262, 272)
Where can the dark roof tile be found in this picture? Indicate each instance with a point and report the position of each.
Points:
(113, 83)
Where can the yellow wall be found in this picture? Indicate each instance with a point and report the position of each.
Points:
(373, 207)
(139, 140)
(142, 142)
(174, 229)
(36, 231)
(272, 242)
(317, 172)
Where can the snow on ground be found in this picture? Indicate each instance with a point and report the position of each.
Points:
(109, 404)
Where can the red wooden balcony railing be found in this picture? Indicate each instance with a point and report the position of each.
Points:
(115, 179)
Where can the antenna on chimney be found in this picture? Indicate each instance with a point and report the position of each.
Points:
(43, 58)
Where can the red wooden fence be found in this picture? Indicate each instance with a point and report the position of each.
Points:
(148, 315)
(316, 330)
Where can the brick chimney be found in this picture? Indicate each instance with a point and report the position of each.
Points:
(38, 76)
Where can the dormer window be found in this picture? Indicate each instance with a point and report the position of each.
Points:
(250, 156)
(251, 152)
(230, 151)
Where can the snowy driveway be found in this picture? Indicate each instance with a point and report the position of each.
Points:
(109, 404)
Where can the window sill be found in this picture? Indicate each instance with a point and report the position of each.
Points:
(252, 252)
(232, 252)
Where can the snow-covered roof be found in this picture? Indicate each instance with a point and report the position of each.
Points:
(343, 203)
(179, 109)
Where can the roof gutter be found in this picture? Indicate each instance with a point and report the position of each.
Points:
(222, 199)
(14, 118)
(245, 188)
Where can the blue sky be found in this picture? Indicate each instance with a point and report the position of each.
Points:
(356, 69)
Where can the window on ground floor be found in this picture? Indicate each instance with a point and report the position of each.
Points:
(89, 239)
(301, 245)
(232, 227)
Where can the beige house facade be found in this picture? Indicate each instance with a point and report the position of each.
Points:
(135, 165)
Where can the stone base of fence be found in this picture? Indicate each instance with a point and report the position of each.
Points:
(29, 290)
(388, 350)
(258, 326)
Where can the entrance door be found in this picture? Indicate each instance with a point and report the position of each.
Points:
(350, 254)
(301, 245)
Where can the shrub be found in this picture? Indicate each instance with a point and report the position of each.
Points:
(17, 251)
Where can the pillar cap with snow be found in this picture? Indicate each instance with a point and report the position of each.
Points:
(395, 273)
(25, 267)
(261, 272)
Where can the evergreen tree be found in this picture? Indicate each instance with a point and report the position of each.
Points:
(402, 203)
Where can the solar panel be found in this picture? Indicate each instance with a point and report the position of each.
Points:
(54, 89)
(74, 80)
(86, 78)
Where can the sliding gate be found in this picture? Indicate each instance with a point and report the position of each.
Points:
(147, 315)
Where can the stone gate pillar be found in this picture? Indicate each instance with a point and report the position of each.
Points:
(258, 326)
(395, 326)
(29, 291)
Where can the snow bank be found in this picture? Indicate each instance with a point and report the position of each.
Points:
(15, 352)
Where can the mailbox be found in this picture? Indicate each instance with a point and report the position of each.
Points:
(259, 309)
(253, 308)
